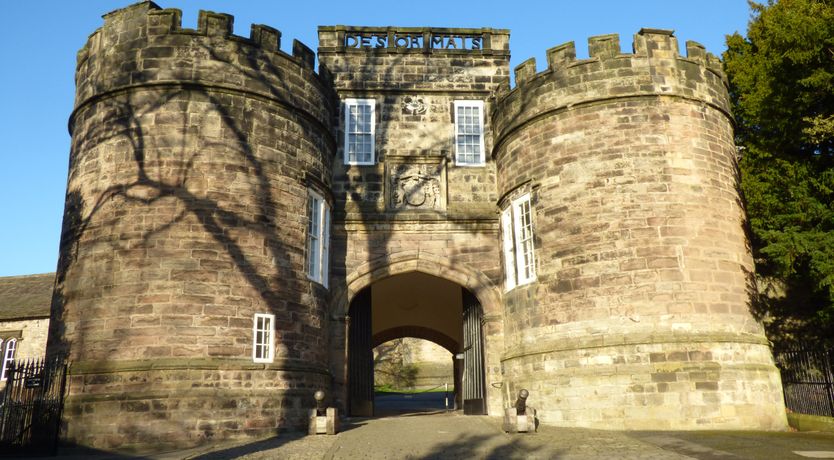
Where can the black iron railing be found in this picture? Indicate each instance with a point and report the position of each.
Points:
(808, 380)
(30, 407)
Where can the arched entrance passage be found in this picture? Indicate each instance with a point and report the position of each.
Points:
(418, 332)
(380, 268)
(415, 304)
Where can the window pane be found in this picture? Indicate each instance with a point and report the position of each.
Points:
(313, 235)
(509, 256)
(358, 132)
(262, 338)
(8, 357)
(469, 133)
(524, 240)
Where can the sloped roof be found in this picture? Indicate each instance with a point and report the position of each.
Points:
(27, 296)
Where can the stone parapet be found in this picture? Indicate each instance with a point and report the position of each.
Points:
(655, 68)
(144, 45)
(401, 59)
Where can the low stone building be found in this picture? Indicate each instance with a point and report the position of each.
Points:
(242, 229)
(24, 318)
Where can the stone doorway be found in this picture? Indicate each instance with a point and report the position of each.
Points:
(423, 306)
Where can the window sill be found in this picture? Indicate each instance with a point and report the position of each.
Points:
(525, 283)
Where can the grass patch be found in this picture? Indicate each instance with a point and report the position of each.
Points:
(390, 389)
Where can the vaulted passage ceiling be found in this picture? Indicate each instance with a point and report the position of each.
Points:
(417, 305)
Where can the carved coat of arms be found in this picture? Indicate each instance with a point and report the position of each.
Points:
(416, 186)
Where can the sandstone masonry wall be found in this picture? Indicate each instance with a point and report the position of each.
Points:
(370, 229)
(193, 152)
(639, 317)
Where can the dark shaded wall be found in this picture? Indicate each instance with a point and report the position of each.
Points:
(192, 155)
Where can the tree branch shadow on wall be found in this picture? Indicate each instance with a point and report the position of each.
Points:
(363, 204)
(163, 171)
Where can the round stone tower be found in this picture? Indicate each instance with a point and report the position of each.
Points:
(193, 156)
(639, 316)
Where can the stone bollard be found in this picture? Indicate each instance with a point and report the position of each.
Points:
(323, 420)
(520, 418)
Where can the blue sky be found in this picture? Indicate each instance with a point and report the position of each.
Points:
(39, 40)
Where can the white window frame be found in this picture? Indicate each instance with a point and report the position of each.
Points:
(351, 102)
(509, 248)
(267, 343)
(518, 243)
(481, 161)
(318, 239)
(8, 357)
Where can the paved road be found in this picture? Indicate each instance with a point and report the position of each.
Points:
(389, 404)
(443, 435)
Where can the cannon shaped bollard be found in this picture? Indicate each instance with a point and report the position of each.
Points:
(520, 418)
(323, 420)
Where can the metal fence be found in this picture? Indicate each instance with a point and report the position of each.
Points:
(30, 407)
(808, 380)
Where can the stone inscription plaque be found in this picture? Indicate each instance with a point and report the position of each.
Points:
(382, 39)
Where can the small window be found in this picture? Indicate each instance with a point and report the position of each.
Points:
(469, 133)
(263, 332)
(517, 239)
(318, 238)
(8, 357)
(359, 131)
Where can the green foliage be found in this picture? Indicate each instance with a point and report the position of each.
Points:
(391, 372)
(782, 89)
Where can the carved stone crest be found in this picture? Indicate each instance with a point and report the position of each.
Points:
(414, 105)
(417, 186)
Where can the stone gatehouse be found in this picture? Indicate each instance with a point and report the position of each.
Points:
(241, 229)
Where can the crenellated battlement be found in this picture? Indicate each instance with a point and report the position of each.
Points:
(161, 21)
(654, 68)
(648, 43)
(144, 44)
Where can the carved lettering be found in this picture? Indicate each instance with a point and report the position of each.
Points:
(413, 41)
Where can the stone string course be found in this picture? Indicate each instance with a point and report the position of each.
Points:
(192, 155)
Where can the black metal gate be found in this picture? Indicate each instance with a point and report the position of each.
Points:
(474, 394)
(808, 380)
(30, 407)
(360, 356)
